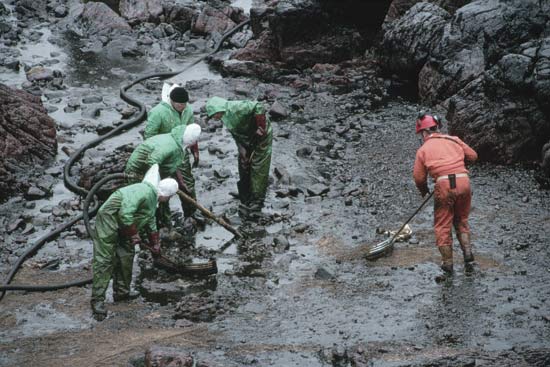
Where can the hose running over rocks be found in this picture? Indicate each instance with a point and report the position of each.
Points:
(90, 196)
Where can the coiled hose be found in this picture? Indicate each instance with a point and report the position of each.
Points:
(73, 187)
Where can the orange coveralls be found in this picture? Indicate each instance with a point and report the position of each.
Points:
(441, 155)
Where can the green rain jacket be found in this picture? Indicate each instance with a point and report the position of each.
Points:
(165, 149)
(135, 203)
(238, 118)
(163, 118)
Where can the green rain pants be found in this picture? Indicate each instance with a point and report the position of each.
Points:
(113, 258)
(254, 180)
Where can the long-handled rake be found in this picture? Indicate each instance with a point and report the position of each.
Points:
(381, 248)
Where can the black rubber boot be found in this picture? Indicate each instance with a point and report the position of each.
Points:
(446, 264)
(98, 310)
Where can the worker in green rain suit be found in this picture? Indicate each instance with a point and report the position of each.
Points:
(128, 212)
(174, 110)
(251, 129)
(169, 151)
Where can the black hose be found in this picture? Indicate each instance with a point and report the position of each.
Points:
(141, 114)
(37, 245)
(83, 192)
(86, 215)
(91, 196)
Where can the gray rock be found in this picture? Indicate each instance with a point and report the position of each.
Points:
(277, 110)
(304, 152)
(60, 11)
(92, 99)
(323, 274)
(317, 189)
(34, 193)
(141, 10)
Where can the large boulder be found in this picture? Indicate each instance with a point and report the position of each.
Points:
(95, 19)
(505, 113)
(488, 64)
(399, 7)
(302, 33)
(212, 20)
(476, 38)
(181, 16)
(409, 41)
(27, 137)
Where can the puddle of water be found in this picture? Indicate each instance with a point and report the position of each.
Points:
(41, 319)
(245, 4)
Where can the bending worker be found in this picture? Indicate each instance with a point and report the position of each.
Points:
(251, 129)
(169, 151)
(174, 110)
(442, 156)
(128, 212)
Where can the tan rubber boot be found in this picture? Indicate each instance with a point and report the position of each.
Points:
(446, 263)
(466, 246)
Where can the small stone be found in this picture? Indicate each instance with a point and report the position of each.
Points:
(323, 274)
(317, 189)
(304, 152)
(34, 193)
(277, 110)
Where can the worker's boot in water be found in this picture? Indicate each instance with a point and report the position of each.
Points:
(446, 263)
(466, 246)
(99, 311)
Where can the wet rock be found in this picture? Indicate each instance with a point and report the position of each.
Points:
(281, 243)
(222, 174)
(317, 189)
(18, 223)
(409, 41)
(323, 274)
(141, 10)
(29, 228)
(34, 193)
(157, 356)
(304, 152)
(249, 69)
(301, 228)
(9, 58)
(92, 99)
(91, 112)
(39, 73)
(277, 110)
(60, 11)
(212, 20)
(240, 39)
(59, 212)
(94, 19)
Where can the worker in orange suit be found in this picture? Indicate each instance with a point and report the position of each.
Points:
(443, 157)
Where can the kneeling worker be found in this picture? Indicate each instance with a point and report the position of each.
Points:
(128, 212)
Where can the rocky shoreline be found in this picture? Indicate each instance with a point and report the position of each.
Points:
(299, 291)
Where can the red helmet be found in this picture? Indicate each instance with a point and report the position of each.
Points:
(425, 122)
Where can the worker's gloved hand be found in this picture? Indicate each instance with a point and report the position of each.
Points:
(261, 125)
(131, 232)
(154, 243)
(181, 182)
(195, 149)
